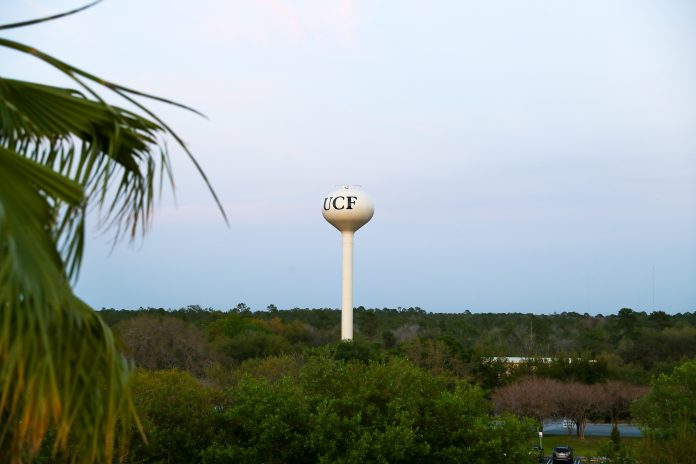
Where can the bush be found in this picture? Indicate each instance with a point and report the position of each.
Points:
(263, 422)
(668, 416)
(357, 411)
(177, 414)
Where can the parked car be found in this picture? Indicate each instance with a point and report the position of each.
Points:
(562, 453)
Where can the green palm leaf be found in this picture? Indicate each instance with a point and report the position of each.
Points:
(61, 152)
(109, 151)
(80, 77)
(58, 362)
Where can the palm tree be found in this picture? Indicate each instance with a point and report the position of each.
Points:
(64, 152)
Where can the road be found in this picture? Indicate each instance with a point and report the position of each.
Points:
(577, 461)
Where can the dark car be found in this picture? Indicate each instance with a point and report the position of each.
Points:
(562, 453)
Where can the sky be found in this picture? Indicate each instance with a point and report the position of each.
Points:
(535, 156)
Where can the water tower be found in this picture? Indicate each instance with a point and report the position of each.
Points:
(347, 209)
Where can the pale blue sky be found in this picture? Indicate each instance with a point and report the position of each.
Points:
(533, 156)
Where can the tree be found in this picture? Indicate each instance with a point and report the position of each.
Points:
(177, 413)
(388, 339)
(392, 411)
(435, 356)
(62, 152)
(668, 416)
(615, 398)
(541, 398)
(530, 397)
(263, 422)
(627, 323)
(579, 402)
(367, 323)
(240, 337)
(242, 308)
(670, 406)
(165, 343)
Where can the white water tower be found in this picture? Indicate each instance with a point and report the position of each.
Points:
(347, 209)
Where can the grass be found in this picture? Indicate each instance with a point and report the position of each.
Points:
(589, 446)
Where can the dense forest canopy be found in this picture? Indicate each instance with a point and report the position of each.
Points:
(278, 386)
(629, 345)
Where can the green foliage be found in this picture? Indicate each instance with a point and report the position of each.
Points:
(389, 412)
(388, 339)
(656, 348)
(668, 415)
(254, 344)
(358, 411)
(616, 453)
(263, 422)
(583, 369)
(240, 336)
(678, 448)
(356, 402)
(456, 344)
(626, 323)
(460, 430)
(353, 350)
(367, 323)
(669, 409)
(64, 152)
(236, 323)
(599, 348)
(273, 368)
(440, 357)
(177, 413)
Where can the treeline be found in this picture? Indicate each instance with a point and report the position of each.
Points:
(629, 346)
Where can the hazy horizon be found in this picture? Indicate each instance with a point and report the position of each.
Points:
(405, 310)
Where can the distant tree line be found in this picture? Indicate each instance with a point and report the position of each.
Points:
(629, 346)
(276, 386)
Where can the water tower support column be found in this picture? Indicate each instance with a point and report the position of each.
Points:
(347, 287)
(347, 209)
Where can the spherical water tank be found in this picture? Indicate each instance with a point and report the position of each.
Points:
(348, 209)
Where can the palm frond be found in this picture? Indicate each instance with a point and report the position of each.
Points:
(59, 367)
(80, 77)
(108, 150)
(126, 93)
(48, 18)
(61, 152)
(27, 246)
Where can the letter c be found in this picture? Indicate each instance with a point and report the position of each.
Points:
(336, 206)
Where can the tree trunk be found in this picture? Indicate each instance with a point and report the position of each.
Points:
(580, 424)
